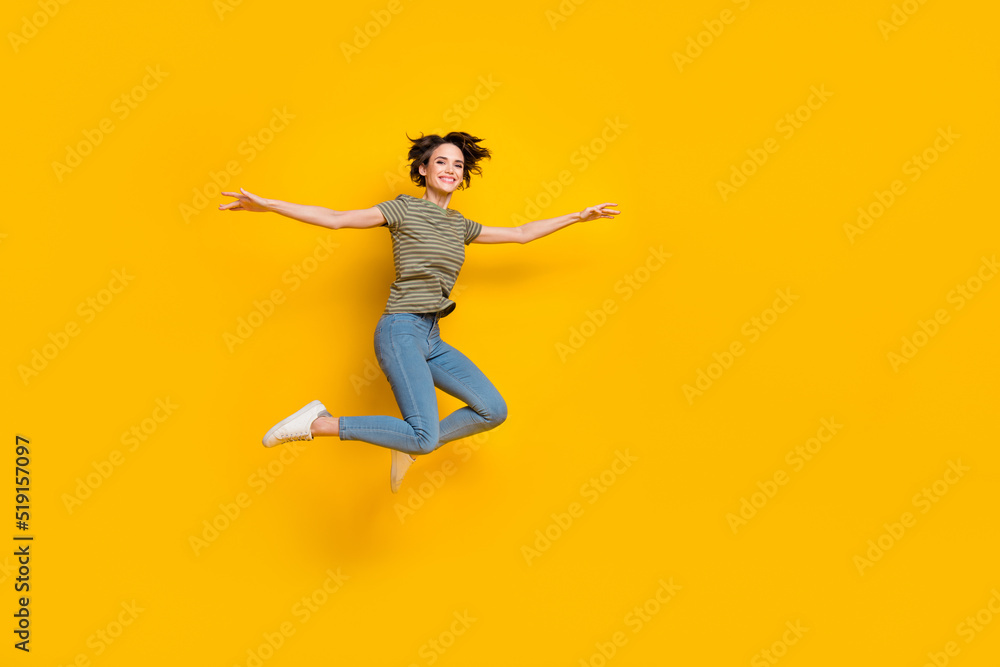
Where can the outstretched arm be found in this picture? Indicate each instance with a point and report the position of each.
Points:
(536, 229)
(314, 215)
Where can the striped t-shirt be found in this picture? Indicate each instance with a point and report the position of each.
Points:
(428, 249)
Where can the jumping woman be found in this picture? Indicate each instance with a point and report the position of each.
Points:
(428, 250)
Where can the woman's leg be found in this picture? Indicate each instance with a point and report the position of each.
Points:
(455, 374)
(415, 360)
(401, 348)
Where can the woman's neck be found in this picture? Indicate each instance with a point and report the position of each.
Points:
(438, 197)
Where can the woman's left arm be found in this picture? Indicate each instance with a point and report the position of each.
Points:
(536, 229)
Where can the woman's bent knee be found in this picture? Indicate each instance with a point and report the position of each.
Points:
(497, 411)
(426, 441)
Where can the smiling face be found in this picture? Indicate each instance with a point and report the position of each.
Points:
(445, 169)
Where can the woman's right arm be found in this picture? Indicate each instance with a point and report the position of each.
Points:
(314, 215)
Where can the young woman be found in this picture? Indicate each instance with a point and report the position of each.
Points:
(428, 249)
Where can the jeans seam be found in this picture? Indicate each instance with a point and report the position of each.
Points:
(395, 358)
(472, 391)
(416, 448)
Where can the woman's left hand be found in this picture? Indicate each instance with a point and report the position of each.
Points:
(599, 211)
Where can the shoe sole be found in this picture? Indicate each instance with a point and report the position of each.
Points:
(284, 421)
(393, 485)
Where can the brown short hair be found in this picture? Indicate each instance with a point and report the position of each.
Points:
(472, 152)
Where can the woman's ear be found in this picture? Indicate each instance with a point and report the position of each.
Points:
(422, 168)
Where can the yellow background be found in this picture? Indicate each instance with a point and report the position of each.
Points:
(555, 86)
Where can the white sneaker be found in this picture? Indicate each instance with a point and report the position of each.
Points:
(401, 462)
(297, 426)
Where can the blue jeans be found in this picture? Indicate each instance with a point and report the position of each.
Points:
(410, 352)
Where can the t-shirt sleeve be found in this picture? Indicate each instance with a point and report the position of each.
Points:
(472, 230)
(394, 211)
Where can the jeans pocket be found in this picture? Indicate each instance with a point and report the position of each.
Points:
(405, 324)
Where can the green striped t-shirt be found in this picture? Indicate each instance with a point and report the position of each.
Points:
(428, 249)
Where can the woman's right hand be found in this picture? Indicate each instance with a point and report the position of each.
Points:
(245, 201)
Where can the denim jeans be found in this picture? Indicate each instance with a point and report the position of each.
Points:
(410, 352)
